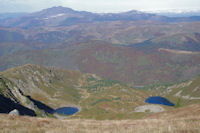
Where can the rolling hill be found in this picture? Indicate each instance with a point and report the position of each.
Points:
(115, 62)
(176, 41)
(116, 32)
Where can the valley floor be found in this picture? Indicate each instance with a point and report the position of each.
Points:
(189, 123)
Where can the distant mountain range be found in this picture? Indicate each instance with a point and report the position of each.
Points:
(11, 15)
(61, 57)
(133, 47)
(177, 13)
(61, 16)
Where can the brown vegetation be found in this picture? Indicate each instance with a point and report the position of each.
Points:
(161, 123)
(11, 124)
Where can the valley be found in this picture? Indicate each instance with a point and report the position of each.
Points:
(46, 89)
(95, 97)
(154, 51)
(63, 70)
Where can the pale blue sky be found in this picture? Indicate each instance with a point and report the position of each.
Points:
(99, 5)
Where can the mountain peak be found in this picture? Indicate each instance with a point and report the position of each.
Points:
(56, 10)
(136, 12)
(59, 8)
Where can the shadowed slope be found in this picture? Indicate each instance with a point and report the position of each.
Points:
(7, 105)
(41, 105)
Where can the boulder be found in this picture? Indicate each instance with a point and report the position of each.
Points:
(15, 112)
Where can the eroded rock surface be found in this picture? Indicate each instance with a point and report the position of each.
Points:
(150, 108)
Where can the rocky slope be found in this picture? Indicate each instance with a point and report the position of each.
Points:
(182, 93)
(12, 98)
(41, 90)
(95, 97)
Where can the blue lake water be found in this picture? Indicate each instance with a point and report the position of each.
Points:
(66, 110)
(159, 100)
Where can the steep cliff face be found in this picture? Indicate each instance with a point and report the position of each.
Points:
(46, 84)
(12, 98)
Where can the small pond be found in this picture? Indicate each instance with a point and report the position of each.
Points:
(66, 110)
(159, 100)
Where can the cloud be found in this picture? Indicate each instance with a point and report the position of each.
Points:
(98, 5)
(124, 5)
(26, 5)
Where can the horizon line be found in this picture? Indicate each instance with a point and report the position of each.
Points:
(145, 11)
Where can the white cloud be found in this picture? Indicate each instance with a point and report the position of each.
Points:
(98, 5)
(26, 5)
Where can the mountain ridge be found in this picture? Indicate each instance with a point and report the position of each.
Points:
(86, 46)
(62, 16)
(94, 96)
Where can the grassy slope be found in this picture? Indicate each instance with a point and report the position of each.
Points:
(176, 41)
(97, 98)
(170, 122)
(182, 93)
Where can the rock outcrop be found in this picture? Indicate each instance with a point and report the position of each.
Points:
(150, 108)
(11, 98)
(15, 112)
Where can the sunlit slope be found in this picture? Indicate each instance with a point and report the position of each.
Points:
(95, 97)
(182, 93)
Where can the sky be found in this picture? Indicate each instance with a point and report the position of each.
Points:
(101, 6)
